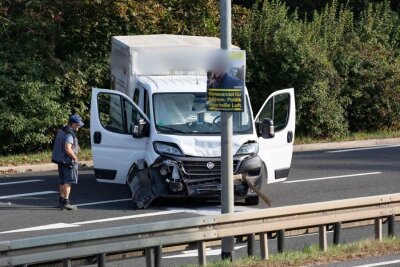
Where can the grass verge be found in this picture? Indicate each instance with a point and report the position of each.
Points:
(38, 158)
(299, 140)
(311, 256)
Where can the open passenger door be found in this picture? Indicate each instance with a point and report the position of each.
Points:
(114, 125)
(276, 151)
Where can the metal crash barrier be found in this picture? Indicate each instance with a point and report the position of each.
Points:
(151, 238)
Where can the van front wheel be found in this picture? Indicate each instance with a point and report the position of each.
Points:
(252, 200)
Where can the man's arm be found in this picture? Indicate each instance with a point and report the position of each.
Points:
(70, 152)
(68, 147)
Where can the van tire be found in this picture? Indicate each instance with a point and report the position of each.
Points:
(252, 200)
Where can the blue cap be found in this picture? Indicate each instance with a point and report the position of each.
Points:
(76, 119)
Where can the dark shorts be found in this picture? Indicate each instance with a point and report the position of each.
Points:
(68, 174)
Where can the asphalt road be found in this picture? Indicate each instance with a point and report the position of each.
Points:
(315, 176)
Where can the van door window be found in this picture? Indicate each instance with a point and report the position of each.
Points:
(277, 109)
(117, 114)
(146, 107)
(110, 112)
(281, 111)
(267, 111)
(132, 116)
(136, 96)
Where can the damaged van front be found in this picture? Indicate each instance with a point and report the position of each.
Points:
(188, 148)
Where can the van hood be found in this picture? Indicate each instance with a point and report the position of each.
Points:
(204, 146)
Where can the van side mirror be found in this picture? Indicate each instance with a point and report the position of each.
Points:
(139, 129)
(266, 128)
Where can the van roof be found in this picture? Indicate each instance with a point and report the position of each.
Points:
(152, 41)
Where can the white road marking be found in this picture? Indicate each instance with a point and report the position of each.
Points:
(78, 224)
(378, 263)
(21, 182)
(362, 148)
(332, 177)
(42, 227)
(194, 253)
(29, 194)
(104, 202)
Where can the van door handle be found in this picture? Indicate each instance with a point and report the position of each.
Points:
(97, 137)
(289, 136)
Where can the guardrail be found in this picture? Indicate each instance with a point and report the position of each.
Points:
(152, 237)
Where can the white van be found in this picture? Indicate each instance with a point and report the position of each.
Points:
(146, 132)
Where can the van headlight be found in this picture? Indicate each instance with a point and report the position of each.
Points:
(248, 148)
(167, 148)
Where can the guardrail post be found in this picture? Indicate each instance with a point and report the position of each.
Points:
(201, 249)
(101, 260)
(251, 240)
(264, 246)
(281, 240)
(378, 229)
(391, 225)
(67, 263)
(337, 227)
(157, 256)
(149, 253)
(323, 242)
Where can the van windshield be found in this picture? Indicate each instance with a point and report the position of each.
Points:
(186, 113)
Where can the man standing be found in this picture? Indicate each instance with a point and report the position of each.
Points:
(65, 152)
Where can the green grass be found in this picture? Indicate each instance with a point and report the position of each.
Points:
(311, 255)
(38, 158)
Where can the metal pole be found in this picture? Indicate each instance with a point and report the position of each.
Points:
(102, 260)
(227, 196)
(391, 225)
(323, 242)
(158, 256)
(264, 246)
(336, 232)
(378, 229)
(281, 240)
(149, 253)
(67, 263)
(251, 240)
(201, 248)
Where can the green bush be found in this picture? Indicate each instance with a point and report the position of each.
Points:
(342, 59)
(31, 103)
(344, 66)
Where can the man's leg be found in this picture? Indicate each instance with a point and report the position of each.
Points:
(69, 178)
(66, 191)
(61, 199)
(60, 187)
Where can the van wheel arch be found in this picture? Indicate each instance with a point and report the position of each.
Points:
(132, 173)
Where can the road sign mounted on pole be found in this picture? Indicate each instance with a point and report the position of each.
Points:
(225, 82)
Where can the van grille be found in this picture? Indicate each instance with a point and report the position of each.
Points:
(197, 171)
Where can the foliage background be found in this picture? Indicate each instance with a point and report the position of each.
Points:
(341, 56)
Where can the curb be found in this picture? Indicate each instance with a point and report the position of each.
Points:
(38, 167)
(347, 144)
(296, 148)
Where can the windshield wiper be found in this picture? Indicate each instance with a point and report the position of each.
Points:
(170, 129)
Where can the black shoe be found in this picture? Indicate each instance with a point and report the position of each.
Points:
(68, 206)
(60, 202)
